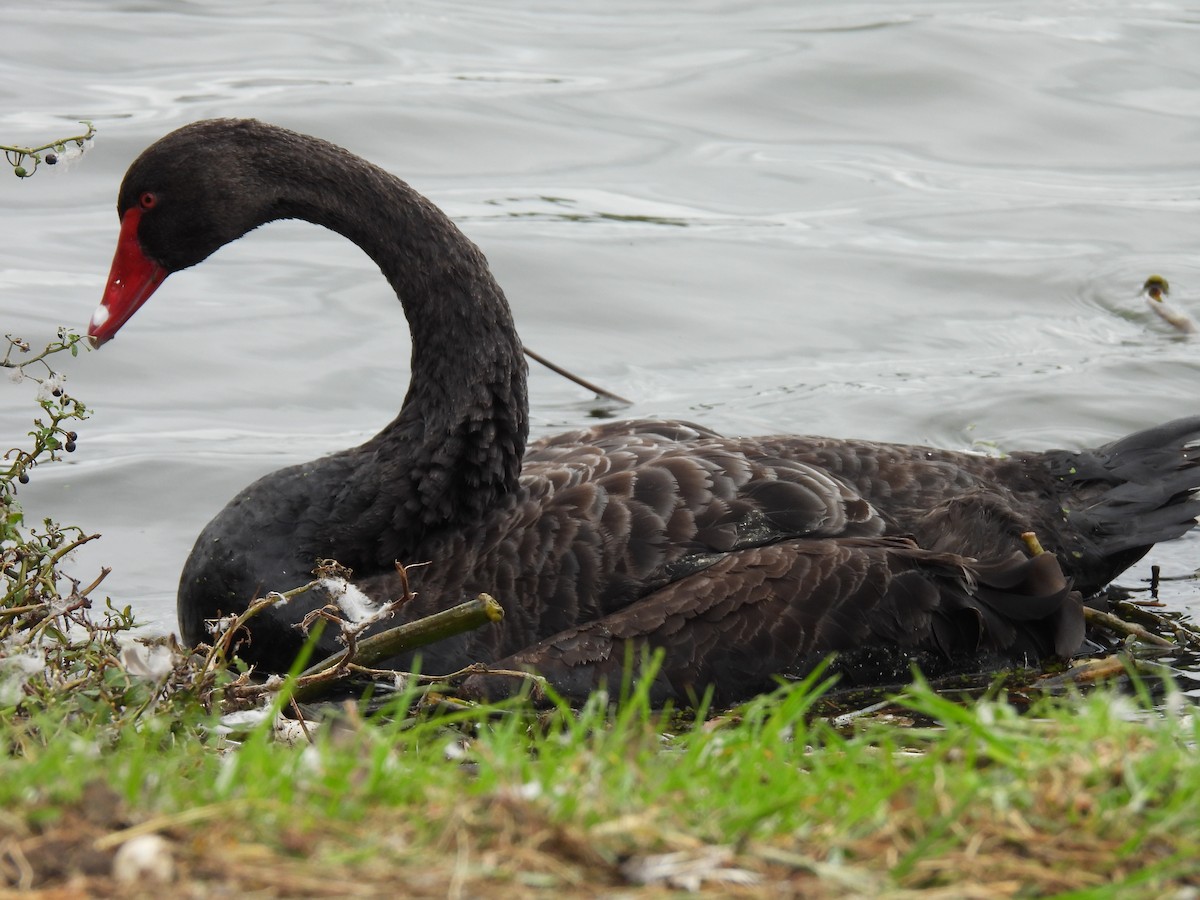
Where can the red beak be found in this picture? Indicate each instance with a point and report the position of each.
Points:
(131, 281)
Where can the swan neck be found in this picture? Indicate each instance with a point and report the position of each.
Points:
(462, 429)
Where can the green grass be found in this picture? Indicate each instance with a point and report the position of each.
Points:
(1085, 796)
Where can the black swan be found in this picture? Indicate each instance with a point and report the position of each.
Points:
(742, 558)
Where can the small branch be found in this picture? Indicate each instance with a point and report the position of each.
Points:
(224, 809)
(1186, 634)
(582, 382)
(409, 636)
(13, 612)
(223, 638)
(67, 548)
(1118, 625)
(16, 155)
(104, 572)
(1094, 671)
(1088, 672)
(300, 718)
(418, 633)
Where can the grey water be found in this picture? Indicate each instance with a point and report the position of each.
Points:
(921, 222)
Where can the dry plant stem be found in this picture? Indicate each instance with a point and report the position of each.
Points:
(1190, 576)
(67, 548)
(104, 572)
(582, 382)
(1094, 671)
(472, 669)
(221, 645)
(1084, 672)
(13, 611)
(409, 636)
(1112, 623)
(35, 632)
(26, 581)
(418, 633)
(1185, 634)
(300, 718)
(222, 809)
(1098, 670)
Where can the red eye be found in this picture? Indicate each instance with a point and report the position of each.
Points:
(149, 200)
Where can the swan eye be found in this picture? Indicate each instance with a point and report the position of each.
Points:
(148, 200)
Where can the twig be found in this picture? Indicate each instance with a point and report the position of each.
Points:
(475, 669)
(1093, 671)
(847, 718)
(168, 820)
(1185, 634)
(1190, 576)
(16, 155)
(104, 573)
(582, 382)
(1088, 672)
(300, 718)
(67, 548)
(67, 340)
(228, 627)
(1118, 625)
(419, 632)
(313, 681)
(1032, 544)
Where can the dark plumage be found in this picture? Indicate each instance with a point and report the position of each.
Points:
(742, 558)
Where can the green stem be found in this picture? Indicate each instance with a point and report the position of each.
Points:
(16, 155)
(394, 641)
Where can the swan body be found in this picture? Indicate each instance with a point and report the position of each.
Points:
(740, 558)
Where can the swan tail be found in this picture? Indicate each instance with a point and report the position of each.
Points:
(1120, 499)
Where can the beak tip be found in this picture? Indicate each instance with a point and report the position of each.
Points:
(96, 326)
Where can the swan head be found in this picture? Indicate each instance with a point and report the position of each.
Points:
(188, 194)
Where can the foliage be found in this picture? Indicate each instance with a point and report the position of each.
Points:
(51, 154)
(54, 649)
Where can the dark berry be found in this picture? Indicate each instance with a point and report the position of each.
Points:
(69, 446)
(57, 392)
(50, 158)
(23, 478)
(72, 436)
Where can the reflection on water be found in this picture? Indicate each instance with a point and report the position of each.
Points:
(569, 209)
(920, 226)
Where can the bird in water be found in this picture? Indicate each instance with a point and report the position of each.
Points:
(1155, 290)
(741, 559)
